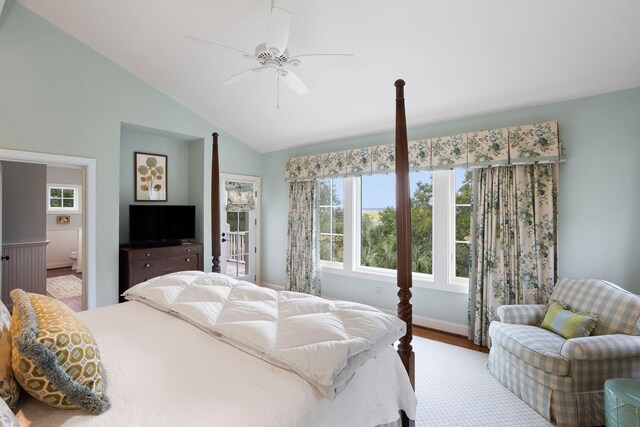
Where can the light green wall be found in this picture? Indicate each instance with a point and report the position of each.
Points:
(598, 201)
(177, 179)
(59, 96)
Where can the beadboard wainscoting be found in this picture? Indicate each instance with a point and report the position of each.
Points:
(25, 268)
(61, 243)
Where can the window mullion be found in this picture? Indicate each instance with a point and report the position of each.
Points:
(441, 226)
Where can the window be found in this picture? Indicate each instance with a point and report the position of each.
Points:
(378, 221)
(63, 198)
(358, 227)
(238, 247)
(462, 224)
(331, 219)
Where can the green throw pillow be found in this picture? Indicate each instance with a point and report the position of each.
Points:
(567, 323)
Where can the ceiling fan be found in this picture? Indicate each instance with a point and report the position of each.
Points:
(273, 55)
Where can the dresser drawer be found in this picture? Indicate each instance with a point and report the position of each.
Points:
(164, 252)
(146, 269)
(138, 265)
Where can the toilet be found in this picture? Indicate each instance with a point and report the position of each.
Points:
(74, 258)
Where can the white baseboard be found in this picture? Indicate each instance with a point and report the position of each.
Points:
(427, 322)
(441, 325)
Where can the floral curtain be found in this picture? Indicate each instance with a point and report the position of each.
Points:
(526, 144)
(240, 196)
(303, 256)
(514, 241)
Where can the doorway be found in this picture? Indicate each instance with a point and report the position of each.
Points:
(88, 235)
(64, 251)
(240, 211)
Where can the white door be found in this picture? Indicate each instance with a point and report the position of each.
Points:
(239, 232)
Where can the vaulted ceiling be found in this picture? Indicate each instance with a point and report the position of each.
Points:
(459, 58)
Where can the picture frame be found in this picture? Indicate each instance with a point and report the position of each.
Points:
(150, 177)
(63, 219)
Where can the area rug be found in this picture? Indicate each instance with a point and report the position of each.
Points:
(454, 388)
(64, 286)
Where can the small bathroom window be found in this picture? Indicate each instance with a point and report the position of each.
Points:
(63, 198)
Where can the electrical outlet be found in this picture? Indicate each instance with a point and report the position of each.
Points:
(378, 291)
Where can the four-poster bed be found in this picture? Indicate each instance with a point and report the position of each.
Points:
(403, 220)
(161, 370)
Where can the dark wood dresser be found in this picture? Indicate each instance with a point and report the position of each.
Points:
(140, 264)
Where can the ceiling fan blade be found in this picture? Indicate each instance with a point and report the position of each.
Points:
(209, 43)
(278, 30)
(322, 60)
(242, 75)
(294, 82)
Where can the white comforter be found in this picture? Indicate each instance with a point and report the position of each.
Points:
(163, 371)
(322, 341)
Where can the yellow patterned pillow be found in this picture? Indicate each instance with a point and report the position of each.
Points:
(9, 389)
(55, 357)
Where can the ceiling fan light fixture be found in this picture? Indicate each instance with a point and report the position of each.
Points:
(273, 55)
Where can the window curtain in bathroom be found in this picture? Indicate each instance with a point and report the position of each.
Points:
(514, 241)
(303, 244)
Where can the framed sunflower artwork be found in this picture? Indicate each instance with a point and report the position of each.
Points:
(150, 177)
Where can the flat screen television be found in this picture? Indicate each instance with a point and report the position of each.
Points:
(157, 225)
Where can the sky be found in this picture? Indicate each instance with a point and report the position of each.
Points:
(379, 191)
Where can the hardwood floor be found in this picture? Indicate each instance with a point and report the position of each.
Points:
(74, 303)
(447, 338)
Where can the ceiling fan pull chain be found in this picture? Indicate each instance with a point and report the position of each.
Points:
(278, 105)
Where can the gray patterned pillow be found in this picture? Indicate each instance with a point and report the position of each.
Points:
(9, 390)
(7, 417)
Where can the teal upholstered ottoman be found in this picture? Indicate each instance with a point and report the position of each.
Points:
(622, 402)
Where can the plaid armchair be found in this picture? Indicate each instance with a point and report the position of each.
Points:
(562, 379)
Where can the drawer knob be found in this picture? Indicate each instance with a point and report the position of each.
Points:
(187, 260)
(148, 254)
(147, 265)
(188, 250)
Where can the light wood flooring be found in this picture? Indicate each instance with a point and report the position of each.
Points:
(74, 303)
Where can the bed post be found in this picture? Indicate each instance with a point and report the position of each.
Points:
(403, 219)
(215, 206)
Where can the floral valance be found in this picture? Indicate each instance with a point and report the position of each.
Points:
(240, 196)
(533, 143)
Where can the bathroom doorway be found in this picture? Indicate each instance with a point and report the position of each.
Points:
(64, 253)
(28, 270)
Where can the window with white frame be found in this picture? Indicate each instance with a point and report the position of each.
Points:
(462, 224)
(331, 219)
(63, 198)
(440, 211)
(378, 246)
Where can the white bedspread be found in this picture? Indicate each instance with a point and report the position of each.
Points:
(323, 341)
(163, 371)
